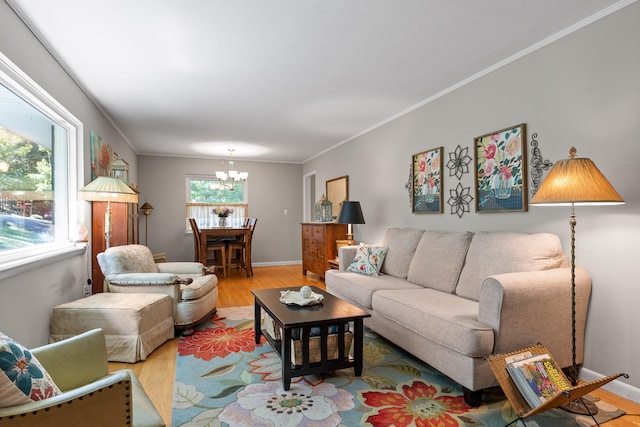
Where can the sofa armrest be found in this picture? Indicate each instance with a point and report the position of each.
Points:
(105, 402)
(346, 254)
(182, 269)
(75, 361)
(527, 308)
(142, 279)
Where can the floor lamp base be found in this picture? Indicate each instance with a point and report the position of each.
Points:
(580, 406)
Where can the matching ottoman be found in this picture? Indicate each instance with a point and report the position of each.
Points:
(134, 324)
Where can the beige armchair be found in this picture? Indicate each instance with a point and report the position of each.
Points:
(90, 395)
(131, 269)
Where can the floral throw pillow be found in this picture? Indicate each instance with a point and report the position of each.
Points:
(22, 378)
(368, 259)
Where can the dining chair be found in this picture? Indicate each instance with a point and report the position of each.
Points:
(212, 246)
(239, 247)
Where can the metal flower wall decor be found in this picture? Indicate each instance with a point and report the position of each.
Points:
(459, 200)
(458, 163)
(538, 164)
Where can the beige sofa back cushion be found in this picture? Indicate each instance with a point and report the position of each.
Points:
(438, 260)
(402, 243)
(503, 252)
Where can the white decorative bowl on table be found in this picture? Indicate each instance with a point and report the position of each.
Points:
(303, 297)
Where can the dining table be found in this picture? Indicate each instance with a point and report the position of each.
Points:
(234, 228)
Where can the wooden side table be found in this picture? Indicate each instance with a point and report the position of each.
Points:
(334, 264)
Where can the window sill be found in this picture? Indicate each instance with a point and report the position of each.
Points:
(13, 268)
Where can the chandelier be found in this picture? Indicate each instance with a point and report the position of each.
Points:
(232, 177)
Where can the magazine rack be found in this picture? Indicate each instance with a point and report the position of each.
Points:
(519, 405)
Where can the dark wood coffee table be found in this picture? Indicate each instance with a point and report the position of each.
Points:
(332, 311)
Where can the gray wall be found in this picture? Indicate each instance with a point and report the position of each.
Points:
(582, 90)
(272, 188)
(26, 299)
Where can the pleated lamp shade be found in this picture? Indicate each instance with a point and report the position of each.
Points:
(576, 181)
(108, 189)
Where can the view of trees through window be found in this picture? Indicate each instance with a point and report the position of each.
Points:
(26, 202)
(209, 190)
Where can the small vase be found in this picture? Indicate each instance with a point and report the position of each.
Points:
(222, 221)
(429, 195)
(503, 188)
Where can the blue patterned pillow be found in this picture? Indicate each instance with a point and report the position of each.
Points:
(22, 378)
(368, 259)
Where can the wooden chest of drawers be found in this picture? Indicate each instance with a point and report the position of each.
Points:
(319, 245)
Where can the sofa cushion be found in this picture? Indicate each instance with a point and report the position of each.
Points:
(402, 243)
(438, 260)
(359, 288)
(368, 259)
(23, 379)
(504, 252)
(444, 318)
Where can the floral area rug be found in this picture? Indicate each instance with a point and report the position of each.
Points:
(224, 379)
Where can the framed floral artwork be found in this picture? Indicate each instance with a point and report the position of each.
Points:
(101, 156)
(501, 170)
(426, 181)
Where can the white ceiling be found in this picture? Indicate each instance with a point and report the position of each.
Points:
(282, 80)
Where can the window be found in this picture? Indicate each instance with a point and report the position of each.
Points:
(38, 152)
(205, 193)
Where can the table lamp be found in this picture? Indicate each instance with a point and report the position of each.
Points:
(575, 181)
(350, 213)
(107, 189)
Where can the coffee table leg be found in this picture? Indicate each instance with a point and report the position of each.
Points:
(285, 352)
(357, 346)
(257, 320)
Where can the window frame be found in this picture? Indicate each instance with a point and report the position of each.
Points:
(241, 210)
(15, 261)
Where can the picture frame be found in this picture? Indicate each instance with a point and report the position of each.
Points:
(102, 156)
(337, 192)
(501, 170)
(426, 181)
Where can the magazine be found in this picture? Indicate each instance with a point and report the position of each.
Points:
(538, 378)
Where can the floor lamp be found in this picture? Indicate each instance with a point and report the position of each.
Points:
(575, 181)
(146, 210)
(108, 189)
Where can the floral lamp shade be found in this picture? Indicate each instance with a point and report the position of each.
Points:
(324, 210)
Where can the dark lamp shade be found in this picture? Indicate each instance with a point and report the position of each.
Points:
(576, 181)
(350, 213)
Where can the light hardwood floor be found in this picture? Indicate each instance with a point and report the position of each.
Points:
(158, 371)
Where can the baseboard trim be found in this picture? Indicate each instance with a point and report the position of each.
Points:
(616, 386)
(269, 264)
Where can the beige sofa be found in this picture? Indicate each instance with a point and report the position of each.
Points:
(452, 298)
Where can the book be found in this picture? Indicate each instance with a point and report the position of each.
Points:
(538, 378)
